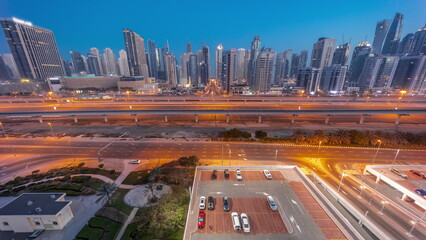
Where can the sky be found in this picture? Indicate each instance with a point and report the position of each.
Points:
(282, 24)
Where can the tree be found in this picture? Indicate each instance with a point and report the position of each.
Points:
(105, 192)
(81, 164)
(101, 165)
(154, 173)
(298, 136)
(193, 160)
(260, 134)
(149, 193)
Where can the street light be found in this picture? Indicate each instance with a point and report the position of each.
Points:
(384, 202)
(51, 129)
(276, 154)
(4, 132)
(396, 155)
(341, 180)
(362, 187)
(400, 98)
(378, 148)
(319, 145)
(413, 222)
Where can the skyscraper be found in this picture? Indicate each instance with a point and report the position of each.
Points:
(377, 73)
(123, 63)
(204, 65)
(322, 52)
(225, 78)
(264, 67)
(188, 47)
(333, 78)
(171, 69)
(241, 64)
(410, 74)
(184, 60)
(419, 42)
(361, 51)
(153, 59)
(391, 43)
(136, 54)
(309, 78)
(218, 61)
(254, 52)
(77, 62)
(193, 69)
(33, 48)
(94, 66)
(101, 66)
(405, 45)
(10, 63)
(110, 63)
(382, 28)
(341, 54)
(5, 72)
(298, 61)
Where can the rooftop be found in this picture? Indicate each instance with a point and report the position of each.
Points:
(35, 204)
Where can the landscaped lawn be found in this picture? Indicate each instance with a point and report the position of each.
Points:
(117, 201)
(99, 229)
(137, 178)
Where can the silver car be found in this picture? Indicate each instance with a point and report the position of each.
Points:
(271, 203)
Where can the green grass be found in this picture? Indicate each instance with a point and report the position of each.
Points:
(94, 183)
(178, 235)
(117, 201)
(137, 178)
(130, 228)
(99, 229)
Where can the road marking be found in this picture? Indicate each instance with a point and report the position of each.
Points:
(345, 166)
(294, 202)
(328, 165)
(344, 193)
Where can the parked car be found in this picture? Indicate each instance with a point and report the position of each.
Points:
(226, 173)
(211, 203)
(214, 174)
(226, 204)
(202, 202)
(418, 173)
(236, 221)
(245, 222)
(271, 203)
(399, 173)
(268, 175)
(135, 162)
(201, 219)
(239, 176)
(36, 233)
(421, 192)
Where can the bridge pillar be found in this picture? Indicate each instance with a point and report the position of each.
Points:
(404, 197)
(196, 118)
(227, 118)
(378, 179)
(361, 120)
(165, 118)
(40, 120)
(292, 118)
(75, 119)
(398, 119)
(327, 119)
(259, 120)
(105, 118)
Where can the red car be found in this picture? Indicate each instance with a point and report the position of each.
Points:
(420, 174)
(201, 219)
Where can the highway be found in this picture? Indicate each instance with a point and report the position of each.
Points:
(320, 160)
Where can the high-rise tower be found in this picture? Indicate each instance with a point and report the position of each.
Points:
(136, 54)
(382, 28)
(391, 43)
(322, 52)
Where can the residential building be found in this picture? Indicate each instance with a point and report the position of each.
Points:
(406, 44)
(391, 43)
(123, 63)
(264, 70)
(360, 53)
(9, 61)
(322, 52)
(153, 59)
(377, 73)
(218, 61)
(110, 62)
(382, 28)
(101, 66)
(309, 79)
(419, 42)
(333, 78)
(77, 62)
(136, 54)
(341, 54)
(254, 52)
(410, 74)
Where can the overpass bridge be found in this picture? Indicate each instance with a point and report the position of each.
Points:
(227, 112)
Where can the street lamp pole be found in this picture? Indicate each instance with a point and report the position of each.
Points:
(51, 129)
(341, 180)
(4, 132)
(412, 228)
(377, 151)
(396, 155)
(319, 145)
(383, 206)
(276, 154)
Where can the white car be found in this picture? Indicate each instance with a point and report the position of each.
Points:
(271, 203)
(245, 222)
(202, 202)
(239, 176)
(135, 162)
(236, 221)
(268, 175)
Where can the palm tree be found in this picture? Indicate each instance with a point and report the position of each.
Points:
(149, 193)
(105, 192)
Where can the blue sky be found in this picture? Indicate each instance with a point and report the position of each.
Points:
(81, 24)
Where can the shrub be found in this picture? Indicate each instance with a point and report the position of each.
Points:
(101, 165)
(80, 179)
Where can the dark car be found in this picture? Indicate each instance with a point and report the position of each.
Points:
(201, 219)
(418, 173)
(421, 192)
(214, 174)
(226, 204)
(211, 203)
(226, 173)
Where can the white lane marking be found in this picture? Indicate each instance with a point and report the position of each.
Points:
(328, 165)
(344, 193)
(294, 221)
(295, 203)
(345, 166)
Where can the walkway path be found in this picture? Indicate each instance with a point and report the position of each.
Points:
(128, 221)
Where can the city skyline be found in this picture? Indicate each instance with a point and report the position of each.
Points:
(274, 34)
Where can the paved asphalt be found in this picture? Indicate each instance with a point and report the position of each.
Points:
(322, 161)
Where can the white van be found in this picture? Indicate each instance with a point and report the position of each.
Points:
(236, 221)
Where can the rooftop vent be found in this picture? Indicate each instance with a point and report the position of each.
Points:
(38, 209)
(52, 196)
(29, 203)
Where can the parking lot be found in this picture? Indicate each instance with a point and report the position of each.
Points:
(298, 216)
